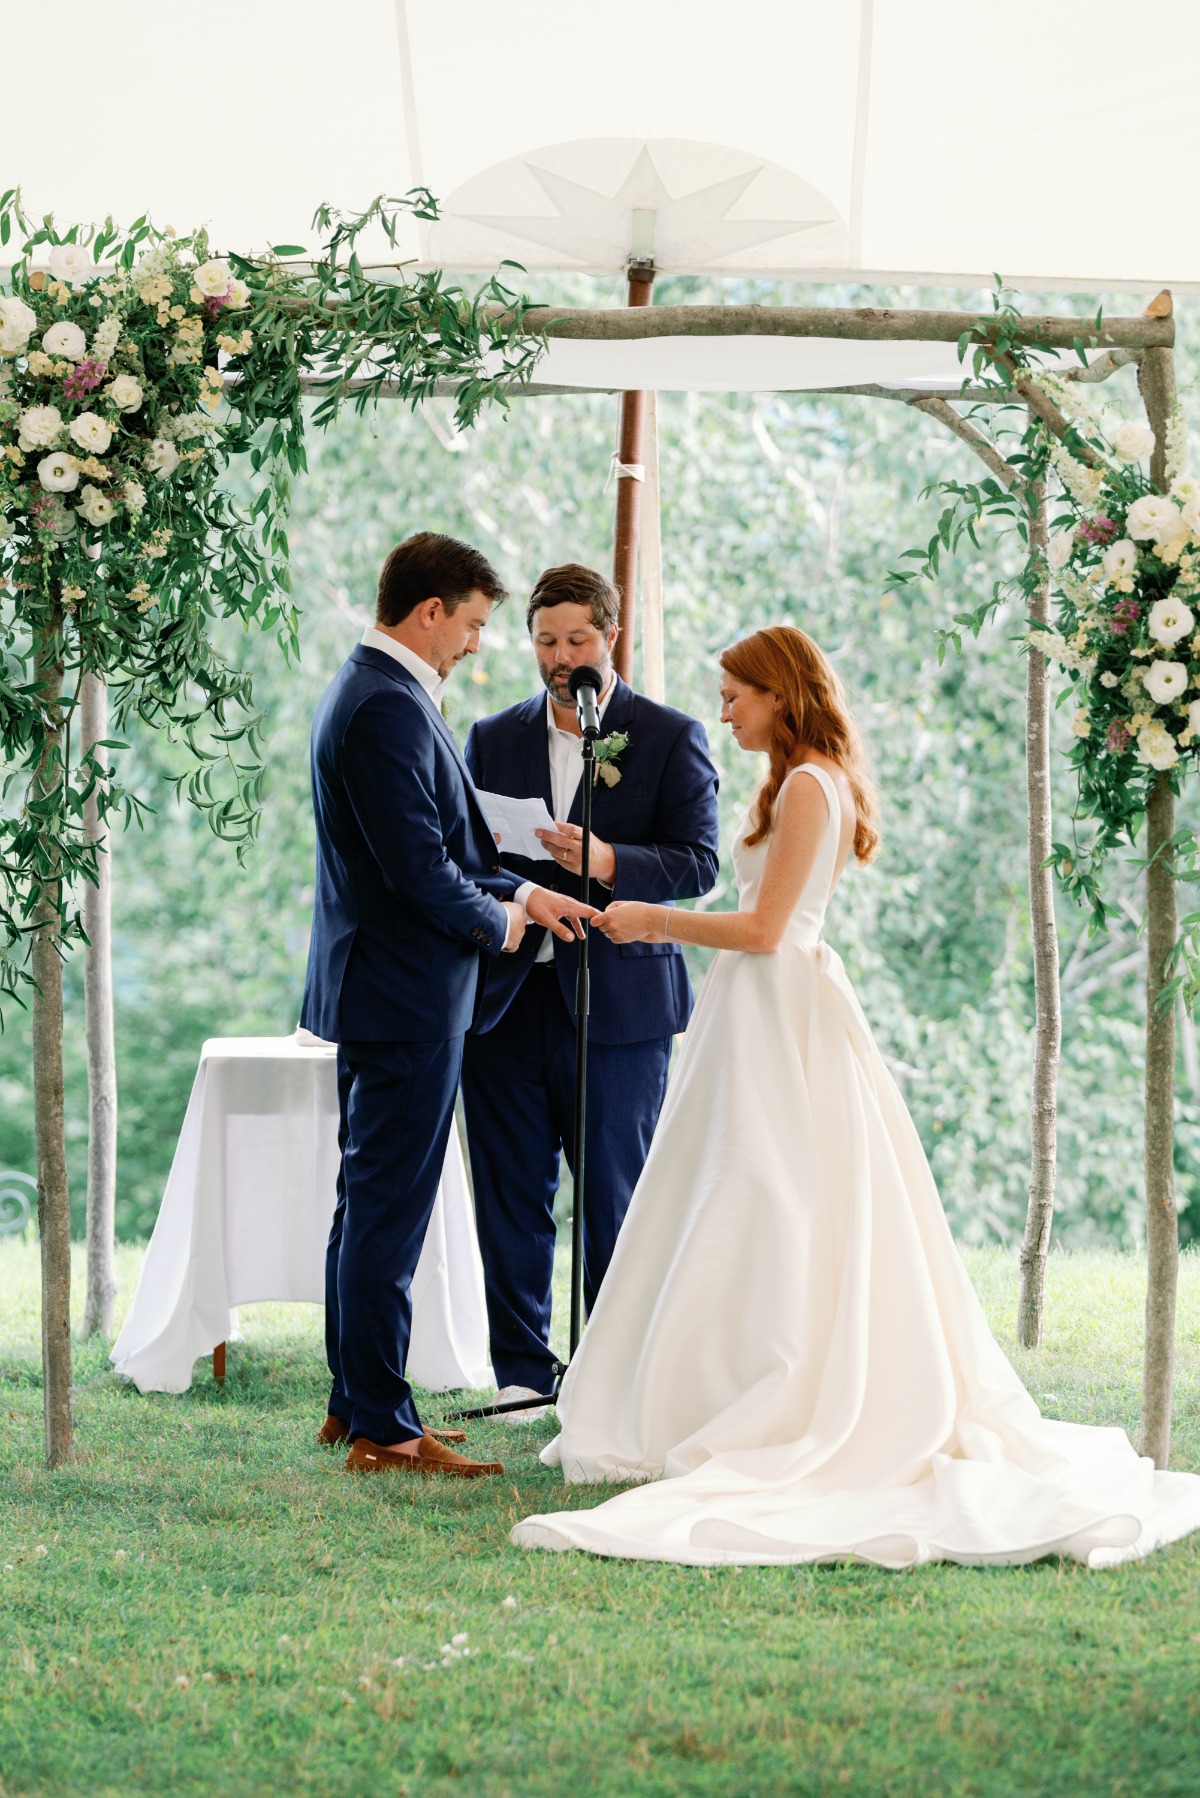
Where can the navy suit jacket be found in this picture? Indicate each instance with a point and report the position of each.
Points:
(661, 818)
(407, 869)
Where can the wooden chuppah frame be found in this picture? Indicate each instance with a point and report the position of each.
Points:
(1147, 340)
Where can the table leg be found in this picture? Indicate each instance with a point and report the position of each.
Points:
(219, 1363)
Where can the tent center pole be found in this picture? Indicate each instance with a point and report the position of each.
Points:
(630, 443)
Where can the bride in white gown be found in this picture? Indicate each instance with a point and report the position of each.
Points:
(787, 1348)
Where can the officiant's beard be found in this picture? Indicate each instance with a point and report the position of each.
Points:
(556, 678)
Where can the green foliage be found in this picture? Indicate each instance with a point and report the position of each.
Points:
(141, 339)
(206, 1535)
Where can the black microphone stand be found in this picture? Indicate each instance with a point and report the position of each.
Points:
(589, 731)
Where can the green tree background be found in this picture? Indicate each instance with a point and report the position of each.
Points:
(788, 507)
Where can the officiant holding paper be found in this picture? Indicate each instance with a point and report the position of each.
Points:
(654, 837)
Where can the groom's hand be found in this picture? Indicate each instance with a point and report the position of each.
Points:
(516, 925)
(558, 913)
(565, 843)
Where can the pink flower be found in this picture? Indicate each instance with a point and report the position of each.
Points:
(1119, 738)
(1099, 530)
(1123, 615)
(83, 377)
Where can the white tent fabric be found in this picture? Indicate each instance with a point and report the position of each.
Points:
(898, 139)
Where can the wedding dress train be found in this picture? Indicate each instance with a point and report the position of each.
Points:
(787, 1343)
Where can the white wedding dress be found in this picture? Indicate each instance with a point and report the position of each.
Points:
(787, 1343)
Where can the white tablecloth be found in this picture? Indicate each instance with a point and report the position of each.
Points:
(246, 1212)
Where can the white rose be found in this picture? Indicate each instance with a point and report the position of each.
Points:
(1156, 747)
(1185, 487)
(66, 340)
(239, 294)
(95, 506)
(17, 324)
(40, 427)
(1058, 550)
(91, 433)
(1152, 518)
(71, 263)
(1169, 620)
(57, 473)
(1191, 517)
(213, 278)
(125, 393)
(162, 458)
(1119, 560)
(1164, 681)
(1131, 441)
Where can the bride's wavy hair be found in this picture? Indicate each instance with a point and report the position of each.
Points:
(813, 714)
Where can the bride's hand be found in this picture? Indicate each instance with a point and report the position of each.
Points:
(629, 921)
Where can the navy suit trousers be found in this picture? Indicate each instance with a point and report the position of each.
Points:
(519, 1094)
(396, 1103)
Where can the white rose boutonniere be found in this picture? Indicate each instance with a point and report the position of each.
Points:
(607, 750)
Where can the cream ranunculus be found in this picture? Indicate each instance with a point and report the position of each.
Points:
(1185, 487)
(18, 322)
(213, 278)
(1169, 620)
(1058, 550)
(1191, 517)
(64, 339)
(57, 473)
(1152, 519)
(1131, 441)
(1156, 747)
(1119, 560)
(40, 427)
(91, 433)
(95, 506)
(162, 458)
(1164, 681)
(71, 263)
(125, 393)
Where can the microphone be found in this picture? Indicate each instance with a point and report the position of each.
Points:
(583, 684)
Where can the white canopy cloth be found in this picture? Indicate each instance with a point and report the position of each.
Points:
(245, 1218)
(886, 139)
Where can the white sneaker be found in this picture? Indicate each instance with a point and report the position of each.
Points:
(529, 1415)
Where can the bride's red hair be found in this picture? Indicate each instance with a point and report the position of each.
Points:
(813, 715)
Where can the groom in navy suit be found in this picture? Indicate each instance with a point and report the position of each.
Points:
(655, 837)
(410, 900)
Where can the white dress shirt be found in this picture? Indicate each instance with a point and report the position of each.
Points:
(408, 658)
(566, 768)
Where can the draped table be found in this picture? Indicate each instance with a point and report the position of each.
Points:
(245, 1218)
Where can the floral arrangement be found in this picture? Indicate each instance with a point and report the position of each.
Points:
(134, 366)
(1124, 563)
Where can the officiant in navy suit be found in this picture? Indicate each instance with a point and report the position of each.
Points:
(411, 907)
(654, 837)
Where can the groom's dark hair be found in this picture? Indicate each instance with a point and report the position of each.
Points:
(573, 584)
(429, 566)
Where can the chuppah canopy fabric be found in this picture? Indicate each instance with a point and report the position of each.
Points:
(889, 140)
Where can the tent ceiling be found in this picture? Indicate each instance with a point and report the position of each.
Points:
(896, 138)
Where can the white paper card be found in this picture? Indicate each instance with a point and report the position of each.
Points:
(514, 821)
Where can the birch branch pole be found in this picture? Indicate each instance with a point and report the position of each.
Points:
(101, 1045)
(1156, 379)
(54, 1208)
(1047, 1002)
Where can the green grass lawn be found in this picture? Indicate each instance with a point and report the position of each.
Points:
(205, 1604)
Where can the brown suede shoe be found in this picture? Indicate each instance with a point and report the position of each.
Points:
(431, 1457)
